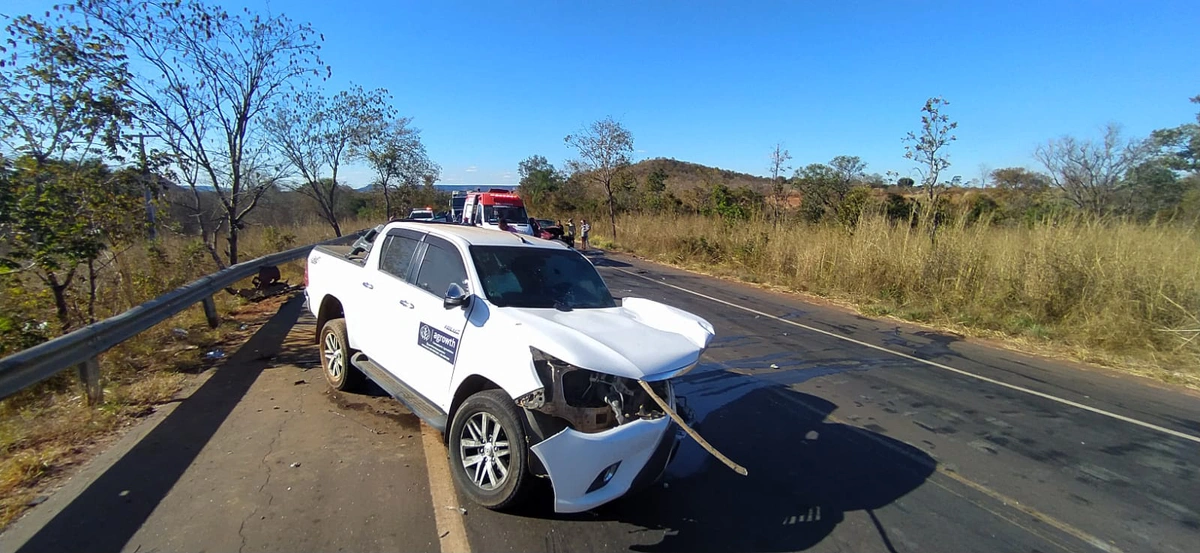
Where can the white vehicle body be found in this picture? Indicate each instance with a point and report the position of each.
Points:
(421, 214)
(439, 354)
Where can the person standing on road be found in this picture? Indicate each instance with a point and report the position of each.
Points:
(571, 232)
(584, 229)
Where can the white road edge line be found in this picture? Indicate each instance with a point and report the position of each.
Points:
(452, 534)
(1042, 395)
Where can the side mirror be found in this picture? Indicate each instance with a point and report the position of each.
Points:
(455, 297)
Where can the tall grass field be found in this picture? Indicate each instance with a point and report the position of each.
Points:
(1114, 293)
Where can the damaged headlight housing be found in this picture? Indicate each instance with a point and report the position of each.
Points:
(590, 401)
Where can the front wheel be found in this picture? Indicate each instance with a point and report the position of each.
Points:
(487, 450)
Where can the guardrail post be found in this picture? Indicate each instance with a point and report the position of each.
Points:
(89, 375)
(210, 312)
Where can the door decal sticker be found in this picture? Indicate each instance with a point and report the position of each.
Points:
(439, 343)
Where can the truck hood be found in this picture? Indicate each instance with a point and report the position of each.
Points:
(641, 339)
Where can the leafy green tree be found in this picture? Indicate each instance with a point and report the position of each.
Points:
(540, 181)
(1181, 144)
(655, 196)
(605, 148)
(62, 91)
(56, 216)
(1154, 189)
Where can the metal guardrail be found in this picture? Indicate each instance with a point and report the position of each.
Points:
(81, 347)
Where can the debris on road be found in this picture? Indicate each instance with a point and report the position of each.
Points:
(296, 464)
(774, 366)
(179, 332)
(215, 354)
(679, 420)
(299, 382)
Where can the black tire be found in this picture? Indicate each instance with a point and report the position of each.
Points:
(513, 487)
(335, 357)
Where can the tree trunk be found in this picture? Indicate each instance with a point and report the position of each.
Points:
(387, 204)
(337, 229)
(612, 218)
(60, 298)
(233, 242)
(91, 291)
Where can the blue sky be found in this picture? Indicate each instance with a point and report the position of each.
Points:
(491, 83)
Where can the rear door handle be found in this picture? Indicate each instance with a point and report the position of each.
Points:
(406, 304)
(368, 286)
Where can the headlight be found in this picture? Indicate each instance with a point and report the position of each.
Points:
(590, 401)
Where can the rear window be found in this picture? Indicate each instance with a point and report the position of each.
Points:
(539, 277)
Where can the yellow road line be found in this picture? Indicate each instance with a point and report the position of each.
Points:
(452, 535)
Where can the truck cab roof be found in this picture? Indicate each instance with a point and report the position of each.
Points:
(466, 236)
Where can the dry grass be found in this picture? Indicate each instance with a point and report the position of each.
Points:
(47, 430)
(1119, 294)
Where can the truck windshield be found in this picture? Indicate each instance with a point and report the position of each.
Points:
(538, 277)
(511, 213)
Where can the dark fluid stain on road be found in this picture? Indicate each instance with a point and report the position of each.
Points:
(391, 411)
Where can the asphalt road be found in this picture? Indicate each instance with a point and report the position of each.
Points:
(859, 435)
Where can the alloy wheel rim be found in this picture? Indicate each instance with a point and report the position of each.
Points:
(484, 449)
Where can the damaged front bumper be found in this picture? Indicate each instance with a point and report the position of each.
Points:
(597, 435)
(590, 469)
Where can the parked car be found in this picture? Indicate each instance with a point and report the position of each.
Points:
(512, 346)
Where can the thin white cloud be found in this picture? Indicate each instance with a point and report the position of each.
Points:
(472, 169)
(640, 151)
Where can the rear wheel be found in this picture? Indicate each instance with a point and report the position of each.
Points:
(487, 450)
(335, 356)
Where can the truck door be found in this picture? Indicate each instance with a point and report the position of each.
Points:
(381, 309)
(437, 332)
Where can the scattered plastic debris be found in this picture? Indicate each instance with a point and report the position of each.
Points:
(179, 332)
(215, 354)
(295, 465)
(243, 327)
(774, 366)
(299, 382)
(38, 500)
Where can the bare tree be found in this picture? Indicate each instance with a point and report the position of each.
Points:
(604, 149)
(207, 79)
(927, 147)
(316, 135)
(849, 170)
(779, 164)
(1091, 172)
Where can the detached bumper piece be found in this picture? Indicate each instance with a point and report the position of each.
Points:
(590, 469)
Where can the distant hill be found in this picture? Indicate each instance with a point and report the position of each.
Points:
(685, 175)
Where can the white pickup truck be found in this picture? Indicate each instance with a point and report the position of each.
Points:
(515, 349)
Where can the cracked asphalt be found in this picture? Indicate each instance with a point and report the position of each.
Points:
(859, 435)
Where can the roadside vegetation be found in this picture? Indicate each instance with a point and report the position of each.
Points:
(1118, 293)
(1094, 256)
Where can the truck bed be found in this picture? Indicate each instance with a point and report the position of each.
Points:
(343, 252)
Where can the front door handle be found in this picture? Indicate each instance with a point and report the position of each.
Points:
(406, 304)
(368, 286)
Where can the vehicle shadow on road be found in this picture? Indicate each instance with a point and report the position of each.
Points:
(112, 509)
(805, 473)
